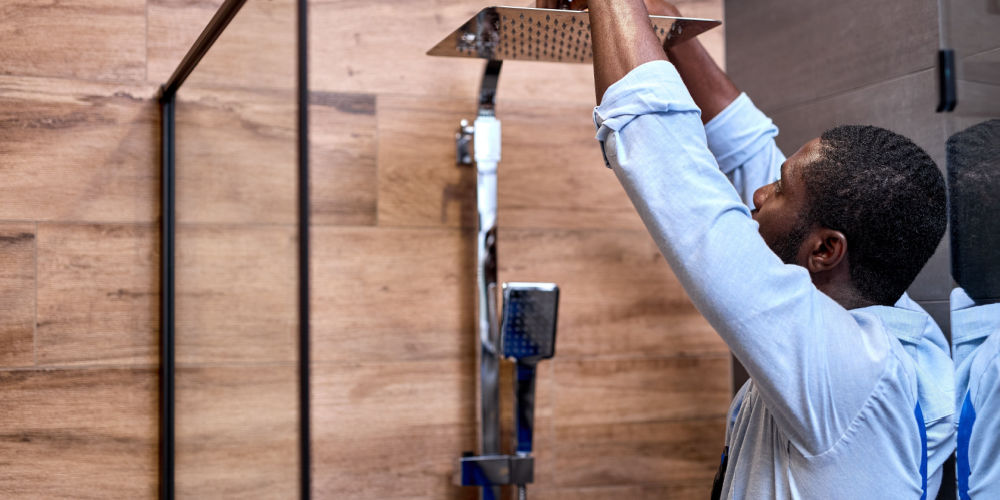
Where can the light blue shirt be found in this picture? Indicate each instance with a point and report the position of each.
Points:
(741, 138)
(829, 410)
(976, 340)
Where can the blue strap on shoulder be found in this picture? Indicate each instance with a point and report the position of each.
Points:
(923, 449)
(965, 421)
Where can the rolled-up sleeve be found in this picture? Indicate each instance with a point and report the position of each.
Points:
(742, 139)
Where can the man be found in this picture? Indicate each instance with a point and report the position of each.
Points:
(974, 180)
(802, 287)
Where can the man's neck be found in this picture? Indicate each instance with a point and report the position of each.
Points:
(848, 298)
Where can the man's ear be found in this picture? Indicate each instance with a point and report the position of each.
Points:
(827, 249)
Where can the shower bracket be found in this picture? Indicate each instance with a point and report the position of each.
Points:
(463, 139)
(495, 470)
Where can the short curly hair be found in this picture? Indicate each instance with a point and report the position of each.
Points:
(973, 182)
(888, 198)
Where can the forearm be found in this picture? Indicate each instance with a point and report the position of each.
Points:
(622, 40)
(710, 87)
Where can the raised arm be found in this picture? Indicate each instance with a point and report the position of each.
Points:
(622, 41)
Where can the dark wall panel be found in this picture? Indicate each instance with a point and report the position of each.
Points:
(786, 53)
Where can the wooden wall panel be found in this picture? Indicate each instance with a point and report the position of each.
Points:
(77, 151)
(86, 39)
(618, 297)
(98, 294)
(391, 430)
(392, 294)
(236, 156)
(257, 49)
(386, 54)
(616, 391)
(81, 433)
(788, 53)
(343, 176)
(646, 453)
(172, 29)
(418, 181)
(17, 294)
(551, 174)
(236, 298)
(693, 489)
(237, 431)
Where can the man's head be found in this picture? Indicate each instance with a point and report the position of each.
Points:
(974, 181)
(860, 207)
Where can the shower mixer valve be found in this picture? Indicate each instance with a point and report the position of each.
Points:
(528, 335)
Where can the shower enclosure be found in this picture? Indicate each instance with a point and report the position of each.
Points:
(321, 320)
(322, 325)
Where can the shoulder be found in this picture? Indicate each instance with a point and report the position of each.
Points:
(984, 369)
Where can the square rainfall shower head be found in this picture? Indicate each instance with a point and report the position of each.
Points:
(528, 34)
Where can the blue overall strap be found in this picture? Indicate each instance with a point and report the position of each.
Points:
(965, 421)
(923, 449)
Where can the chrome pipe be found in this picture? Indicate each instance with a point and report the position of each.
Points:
(486, 141)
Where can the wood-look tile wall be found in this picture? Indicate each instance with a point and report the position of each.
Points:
(631, 406)
(633, 402)
(79, 255)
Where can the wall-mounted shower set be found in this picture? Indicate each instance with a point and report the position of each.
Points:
(527, 333)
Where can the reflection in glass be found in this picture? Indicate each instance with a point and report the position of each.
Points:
(974, 185)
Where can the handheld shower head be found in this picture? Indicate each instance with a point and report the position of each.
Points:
(528, 336)
(529, 321)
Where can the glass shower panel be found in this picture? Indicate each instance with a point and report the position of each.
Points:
(973, 160)
(236, 263)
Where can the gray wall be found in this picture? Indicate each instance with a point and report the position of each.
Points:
(813, 64)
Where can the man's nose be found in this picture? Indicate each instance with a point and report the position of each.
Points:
(761, 195)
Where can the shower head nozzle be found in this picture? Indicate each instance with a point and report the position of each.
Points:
(530, 34)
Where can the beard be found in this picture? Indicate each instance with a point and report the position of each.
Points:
(787, 248)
